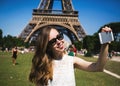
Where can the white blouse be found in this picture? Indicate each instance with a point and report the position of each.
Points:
(63, 72)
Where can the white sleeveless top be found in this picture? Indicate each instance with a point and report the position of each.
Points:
(63, 72)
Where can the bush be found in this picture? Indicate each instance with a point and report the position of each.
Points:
(88, 54)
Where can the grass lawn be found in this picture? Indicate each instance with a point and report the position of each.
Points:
(18, 75)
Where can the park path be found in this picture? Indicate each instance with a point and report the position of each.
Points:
(117, 59)
(114, 58)
(112, 74)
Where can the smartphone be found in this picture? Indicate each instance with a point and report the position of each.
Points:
(106, 37)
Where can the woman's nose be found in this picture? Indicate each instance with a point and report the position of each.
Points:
(57, 41)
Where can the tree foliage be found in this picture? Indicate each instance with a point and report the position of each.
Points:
(10, 41)
(92, 43)
(115, 28)
(1, 37)
(78, 45)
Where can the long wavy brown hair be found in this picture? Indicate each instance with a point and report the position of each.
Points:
(42, 69)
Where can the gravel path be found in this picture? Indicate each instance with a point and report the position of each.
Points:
(115, 58)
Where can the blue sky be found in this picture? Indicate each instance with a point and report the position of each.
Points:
(16, 14)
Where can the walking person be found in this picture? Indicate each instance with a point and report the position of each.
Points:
(14, 55)
(51, 67)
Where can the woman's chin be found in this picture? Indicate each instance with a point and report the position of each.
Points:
(61, 49)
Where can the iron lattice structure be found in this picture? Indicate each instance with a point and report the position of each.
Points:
(66, 20)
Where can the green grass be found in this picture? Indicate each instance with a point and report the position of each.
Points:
(18, 75)
(111, 65)
(15, 75)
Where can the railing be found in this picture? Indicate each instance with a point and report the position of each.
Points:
(64, 12)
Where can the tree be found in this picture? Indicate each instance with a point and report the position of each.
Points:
(1, 37)
(115, 46)
(10, 41)
(115, 28)
(96, 44)
(88, 43)
(78, 45)
(1, 33)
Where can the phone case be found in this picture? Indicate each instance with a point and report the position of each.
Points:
(106, 37)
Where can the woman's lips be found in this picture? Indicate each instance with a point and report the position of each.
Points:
(61, 46)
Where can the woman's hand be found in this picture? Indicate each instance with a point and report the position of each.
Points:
(106, 35)
(106, 29)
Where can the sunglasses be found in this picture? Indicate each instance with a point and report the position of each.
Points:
(54, 40)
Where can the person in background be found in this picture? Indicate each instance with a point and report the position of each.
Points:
(14, 55)
(74, 49)
(71, 51)
(51, 67)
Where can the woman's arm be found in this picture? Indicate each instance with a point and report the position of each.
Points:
(94, 66)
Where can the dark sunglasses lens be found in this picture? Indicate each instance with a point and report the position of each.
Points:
(53, 41)
(60, 36)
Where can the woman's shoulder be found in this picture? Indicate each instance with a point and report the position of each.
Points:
(68, 57)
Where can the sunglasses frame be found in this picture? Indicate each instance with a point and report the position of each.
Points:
(54, 40)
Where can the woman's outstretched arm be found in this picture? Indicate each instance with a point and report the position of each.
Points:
(100, 63)
(93, 66)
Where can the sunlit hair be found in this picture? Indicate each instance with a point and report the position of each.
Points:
(42, 70)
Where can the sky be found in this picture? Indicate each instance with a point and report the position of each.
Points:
(16, 14)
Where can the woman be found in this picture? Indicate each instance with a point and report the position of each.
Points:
(71, 51)
(51, 67)
(14, 55)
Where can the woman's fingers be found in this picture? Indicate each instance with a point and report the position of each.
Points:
(106, 29)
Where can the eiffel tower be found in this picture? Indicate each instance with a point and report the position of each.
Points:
(66, 21)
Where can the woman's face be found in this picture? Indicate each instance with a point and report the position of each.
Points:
(57, 40)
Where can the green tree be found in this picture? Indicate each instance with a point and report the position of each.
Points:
(96, 43)
(88, 43)
(115, 46)
(78, 45)
(115, 28)
(10, 41)
(1, 37)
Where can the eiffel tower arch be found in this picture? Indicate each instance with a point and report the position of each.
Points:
(66, 20)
